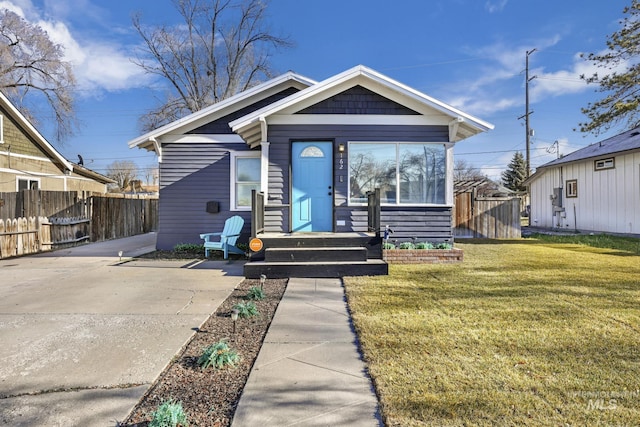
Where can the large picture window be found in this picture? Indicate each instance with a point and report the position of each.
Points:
(406, 173)
(245, 176)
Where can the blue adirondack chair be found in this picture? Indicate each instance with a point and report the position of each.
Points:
(228, 238)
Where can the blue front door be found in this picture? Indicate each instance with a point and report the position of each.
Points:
(312, 199)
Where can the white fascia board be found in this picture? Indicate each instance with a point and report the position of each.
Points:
(223, 107)
(202, 139)
(33, 132)
(366, 77)
(426, 99)
(356, 119)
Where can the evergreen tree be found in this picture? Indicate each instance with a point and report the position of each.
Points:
(621, 102)
(516, 173)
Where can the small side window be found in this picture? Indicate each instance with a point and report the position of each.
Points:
(603, 164)
(572, 188)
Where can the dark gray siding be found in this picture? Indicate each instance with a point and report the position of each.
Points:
(433, 224)
(190, 176)
(358, 100)
(221, 125)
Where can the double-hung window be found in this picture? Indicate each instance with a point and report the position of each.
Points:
(406, 173)
(572, 188)
(245, 176)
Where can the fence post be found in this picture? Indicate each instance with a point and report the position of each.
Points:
(373, 211)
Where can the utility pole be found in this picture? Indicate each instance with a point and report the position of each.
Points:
(527, 113)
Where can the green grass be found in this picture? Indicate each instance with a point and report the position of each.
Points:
(628, 244)
(525, 332)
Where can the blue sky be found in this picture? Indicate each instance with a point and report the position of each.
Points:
(468, 53)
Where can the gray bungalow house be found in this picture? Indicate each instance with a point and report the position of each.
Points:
(313, 151)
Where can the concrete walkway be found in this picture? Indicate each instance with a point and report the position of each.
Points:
(84, 335)
(309, 371)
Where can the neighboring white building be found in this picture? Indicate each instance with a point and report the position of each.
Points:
(594, 189)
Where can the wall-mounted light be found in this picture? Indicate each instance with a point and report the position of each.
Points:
(341, 148)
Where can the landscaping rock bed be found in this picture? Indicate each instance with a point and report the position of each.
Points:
(209, 397)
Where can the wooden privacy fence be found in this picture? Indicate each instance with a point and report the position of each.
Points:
(22, 236)
(487, 217)
(59, 204)
(115, 216)
(39, 220)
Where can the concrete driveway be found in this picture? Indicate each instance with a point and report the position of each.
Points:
(83, 335)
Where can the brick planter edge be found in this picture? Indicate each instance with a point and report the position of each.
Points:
(422, 256)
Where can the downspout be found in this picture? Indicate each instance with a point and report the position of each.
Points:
(264, 159)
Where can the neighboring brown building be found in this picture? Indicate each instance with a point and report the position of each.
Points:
(28, 161)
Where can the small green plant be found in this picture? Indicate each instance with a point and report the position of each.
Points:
(218, 355)
(255, 293)
(444, 246)
(424, 245)
(169, 414)
(246, 310)
(407, 245)
(189, 248)
(388, 245)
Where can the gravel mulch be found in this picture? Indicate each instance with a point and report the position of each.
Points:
(209, 397)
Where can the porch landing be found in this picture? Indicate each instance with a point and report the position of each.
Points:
(317, 255)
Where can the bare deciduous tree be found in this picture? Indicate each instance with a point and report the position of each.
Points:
(464, 171)
(223, 47)
(122, 172)
(32, 69)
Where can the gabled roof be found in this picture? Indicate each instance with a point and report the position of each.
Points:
(252, 127)
(625, 141)
(149, 140)
(91, 174)
(31, 131)
(621, 143)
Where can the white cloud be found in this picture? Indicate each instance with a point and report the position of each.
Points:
(484, 105)
(493, 6)
(99, 64)
(498, 84)
(17, 6)
(568, 81)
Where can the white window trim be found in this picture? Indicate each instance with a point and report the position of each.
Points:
(448, 153)
(608, 163)
(1, 129)
(29, 179)
(232, 177)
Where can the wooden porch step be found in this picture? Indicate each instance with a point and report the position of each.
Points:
(280, 270)
(315, 254)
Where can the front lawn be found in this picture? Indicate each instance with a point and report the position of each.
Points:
(523, 332)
